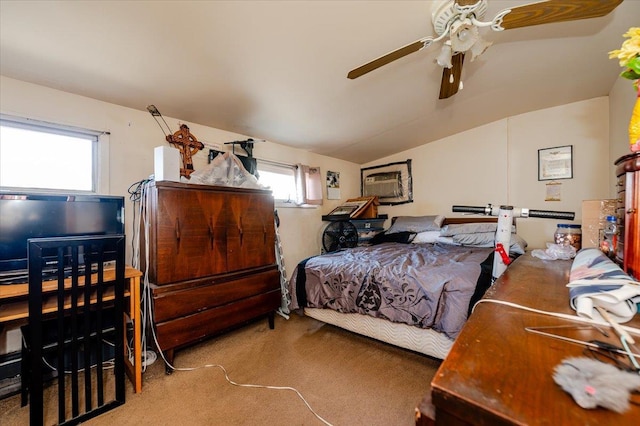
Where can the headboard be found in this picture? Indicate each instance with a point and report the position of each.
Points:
(468, 219)
(465, 219)
(457, 220)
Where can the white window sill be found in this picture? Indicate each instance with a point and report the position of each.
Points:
(290, 205)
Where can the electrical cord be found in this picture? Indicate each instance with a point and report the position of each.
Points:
(249, 385)
(228, 379)
(147, 312)
(590, 321)
(554, 314)
(135, 195)
(106, 365)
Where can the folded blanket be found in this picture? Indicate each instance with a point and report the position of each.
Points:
(595, 280)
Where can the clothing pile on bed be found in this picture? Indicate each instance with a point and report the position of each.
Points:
(595, 280)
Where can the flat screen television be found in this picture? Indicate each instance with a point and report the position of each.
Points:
(31, 215)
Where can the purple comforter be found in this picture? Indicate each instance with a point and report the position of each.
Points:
(425, 285)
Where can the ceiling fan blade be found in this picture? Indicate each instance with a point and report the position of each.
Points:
(466, 2)
(550, 11)
(449, 86)
(389, 57)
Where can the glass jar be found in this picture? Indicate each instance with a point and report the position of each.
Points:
(568, 235)
(609, 242)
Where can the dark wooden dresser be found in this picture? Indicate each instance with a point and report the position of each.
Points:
(212, 262)
(498, 373)
(628, 213)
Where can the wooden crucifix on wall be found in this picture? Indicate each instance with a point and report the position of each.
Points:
(188, 145)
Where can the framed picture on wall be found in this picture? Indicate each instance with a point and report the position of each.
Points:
(555, 163)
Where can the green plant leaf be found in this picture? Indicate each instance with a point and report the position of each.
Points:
(634, 65)
(630, 74)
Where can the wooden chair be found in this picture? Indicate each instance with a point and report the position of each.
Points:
(73, 311)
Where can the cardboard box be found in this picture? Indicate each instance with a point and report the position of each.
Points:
(594, 215)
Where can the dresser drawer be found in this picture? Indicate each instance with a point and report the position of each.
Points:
(189, 329)
(173, 304)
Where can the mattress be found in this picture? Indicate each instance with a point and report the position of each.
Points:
(424, 341)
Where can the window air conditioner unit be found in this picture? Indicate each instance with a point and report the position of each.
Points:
(384, 185)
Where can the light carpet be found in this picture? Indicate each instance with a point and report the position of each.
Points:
(346, 378)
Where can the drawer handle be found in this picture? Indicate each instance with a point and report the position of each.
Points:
(240, 229)
(211, 233)
(631, 211)
(264, 232)
(178, 229)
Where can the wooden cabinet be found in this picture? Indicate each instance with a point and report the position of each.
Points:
(212, 262)
(498, 373)
(628, 213)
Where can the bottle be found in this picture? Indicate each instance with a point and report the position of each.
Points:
(610, 239)
(568, 235)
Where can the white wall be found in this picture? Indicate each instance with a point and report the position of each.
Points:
(498, 164)
(134, 134)
(622, 99)
(495, 163)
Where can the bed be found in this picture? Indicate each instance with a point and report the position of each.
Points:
(412, 288)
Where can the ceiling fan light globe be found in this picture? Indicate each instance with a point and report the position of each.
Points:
(444, 58)
(479, 47)
(463, 36)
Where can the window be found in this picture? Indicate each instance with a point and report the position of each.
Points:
(280, 179)
(297, 185)
(46, 156)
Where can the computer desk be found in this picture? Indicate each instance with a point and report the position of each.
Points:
(14, 306)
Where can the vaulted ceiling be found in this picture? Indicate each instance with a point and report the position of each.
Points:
(277, 70)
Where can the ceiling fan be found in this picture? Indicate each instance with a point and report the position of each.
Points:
(457, 23)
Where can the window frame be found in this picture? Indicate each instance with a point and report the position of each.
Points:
(275, 167)
(299, 173)
(99, 141)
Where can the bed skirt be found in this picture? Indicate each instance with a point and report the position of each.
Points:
(425, 341)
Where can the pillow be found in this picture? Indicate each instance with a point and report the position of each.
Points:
(478, 239)
(397, 237)
(471, 228)
(446, 240)
(426, 237)
(416, 224)
(517, 244)
(468, 228)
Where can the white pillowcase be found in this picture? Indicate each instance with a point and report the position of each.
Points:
(426, 237)
(446, 240)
